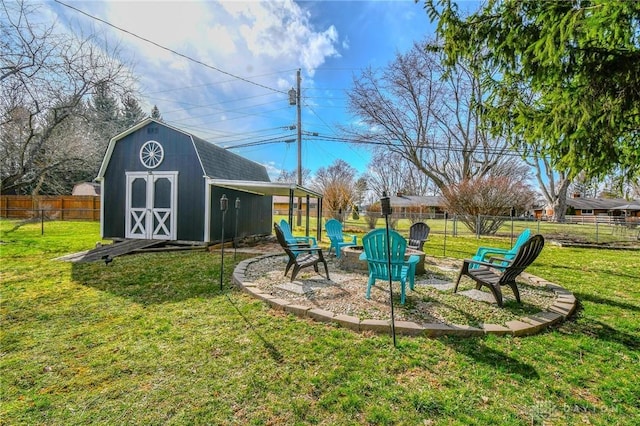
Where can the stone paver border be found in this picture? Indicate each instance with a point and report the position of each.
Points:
(563, 307)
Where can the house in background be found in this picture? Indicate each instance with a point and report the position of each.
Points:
(159, 182)
(401, 204)
(416, 204)
(585, 206)
(281, 204)
(86, 188)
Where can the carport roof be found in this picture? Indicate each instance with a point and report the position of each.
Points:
(265, 188)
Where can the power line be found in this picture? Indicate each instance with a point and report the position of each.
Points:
(197, 61)
(263, 142)
(214, 104)
(440, 147)
(314, 137)
(218, 82)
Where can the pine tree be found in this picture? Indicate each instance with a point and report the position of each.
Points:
(155, 113)
(131, 111)
(566, 73)
(104, 113)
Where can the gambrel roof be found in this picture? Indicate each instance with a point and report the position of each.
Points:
(216, 162)
(219, 163)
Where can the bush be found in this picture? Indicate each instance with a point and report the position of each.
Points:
(483, 204)
(372, 214)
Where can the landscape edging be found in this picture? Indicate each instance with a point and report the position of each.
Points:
(563, 307)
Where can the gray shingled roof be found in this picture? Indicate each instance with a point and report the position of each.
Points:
(220, 163)
(415, 200)
(595, 203)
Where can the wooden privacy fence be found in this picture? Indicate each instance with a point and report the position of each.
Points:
(64, 207)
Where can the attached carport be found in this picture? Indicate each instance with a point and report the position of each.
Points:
(291, 190)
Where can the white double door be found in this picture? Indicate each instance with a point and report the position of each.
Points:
(152, 199)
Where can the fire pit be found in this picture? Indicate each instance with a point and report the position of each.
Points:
(350, 259)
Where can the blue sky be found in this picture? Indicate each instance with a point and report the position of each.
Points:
(253, 50)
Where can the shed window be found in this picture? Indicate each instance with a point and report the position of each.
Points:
(162, 194)
(139, 194)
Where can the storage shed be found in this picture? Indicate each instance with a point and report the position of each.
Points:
(158, 182)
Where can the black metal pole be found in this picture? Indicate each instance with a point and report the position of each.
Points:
(224, 204)
(235, 236)
(513, 213)
(444, 248)
(385, 203)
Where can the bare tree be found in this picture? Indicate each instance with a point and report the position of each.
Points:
(391, 173)
(427, 116)
(483, 203)
(292, 175)
(585, 186)
(46, 77)
(339, 187)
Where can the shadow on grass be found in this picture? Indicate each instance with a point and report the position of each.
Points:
(23, 222)
(608, 272)
(270, 347)
(598, 330)
(479, 352)
(586, 297)
(156, 278)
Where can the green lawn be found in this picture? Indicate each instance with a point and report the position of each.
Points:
(151, 339)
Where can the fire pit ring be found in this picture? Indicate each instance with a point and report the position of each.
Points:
(350, 259)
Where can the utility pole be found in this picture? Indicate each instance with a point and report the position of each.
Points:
(299, 127)
(294, 99)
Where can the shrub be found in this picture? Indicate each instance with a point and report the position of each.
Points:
(483, 204)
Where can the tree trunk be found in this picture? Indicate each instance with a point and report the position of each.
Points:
(560, 201)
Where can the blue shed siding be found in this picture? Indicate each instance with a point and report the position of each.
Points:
(187, 157)
(179, 156)
(254, 216)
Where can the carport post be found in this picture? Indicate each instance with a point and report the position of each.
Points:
(306, 231)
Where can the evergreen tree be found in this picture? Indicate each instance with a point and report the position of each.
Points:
(131, 111)
(568, 72)
(104, 113)
(155, 113)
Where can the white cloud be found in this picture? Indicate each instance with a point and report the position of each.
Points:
(283, 31)
(264, 42)
(242, 38)
(272, 170)
(345, 43)
(223, 39)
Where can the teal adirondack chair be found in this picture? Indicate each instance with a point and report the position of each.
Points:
(333, 228)
(484, 254)
(375, 253)
(290, 238)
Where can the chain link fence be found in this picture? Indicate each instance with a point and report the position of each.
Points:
(575, 229)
